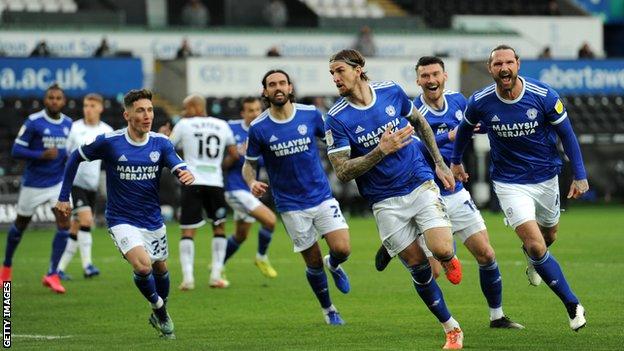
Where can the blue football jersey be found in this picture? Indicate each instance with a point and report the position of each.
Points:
(291, 157)
(41, 132)
(443, 121)
(234, 177)
(133, 175)
(358, 128)
(522, 138)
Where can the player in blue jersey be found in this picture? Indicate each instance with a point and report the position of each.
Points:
(41, 142)
(523, 118)
(444, 110)
(134, 158)
(369, 139)
(285, 137)
(247, 208)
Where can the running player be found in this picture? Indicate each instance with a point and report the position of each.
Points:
(247, 208)
(523, 118)
(84, 191)
(285, 137)
(134, 158)
(369, 139)
(41, 142)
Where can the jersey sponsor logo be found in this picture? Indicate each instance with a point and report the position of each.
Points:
(122, 158)
(372, 138)
(359, 129)
(390, 110)
(559, 106)
(137, 172)
(154, 156)
(273, 138)
(459, 115)
(495, 119)
(512, 130)
(531, 113)
(302, 129)
(329, 138)
(291, 147)
(54, 142)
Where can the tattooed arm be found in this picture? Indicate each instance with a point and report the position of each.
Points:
(348, 168)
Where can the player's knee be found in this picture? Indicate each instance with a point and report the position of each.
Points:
(241, 235)
(269, 222)
(550, 237)
(485, 255)
(342, 250)
(535, 249)
(142, 269)
(443, 254)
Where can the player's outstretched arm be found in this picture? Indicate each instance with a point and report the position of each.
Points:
(71, 168)
(463, 135)
(572, 149)
(256, 187)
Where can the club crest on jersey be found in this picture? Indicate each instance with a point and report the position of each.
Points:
(459, 115)
(329, 138)
(302, 129)
(531, 113)
(154, 156)
(390, 110)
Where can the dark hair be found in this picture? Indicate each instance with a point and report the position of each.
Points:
(429, 60)
(248, 100)
(501, 47)
(54, 86)
(291, 96)
(352, 58)
(94, 97)
(136, 95)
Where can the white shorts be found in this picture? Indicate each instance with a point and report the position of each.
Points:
(30, 198)
(126, 237)
(305, 227)
(400, 219)
(242, 202)
(465, 217)
(526, 202)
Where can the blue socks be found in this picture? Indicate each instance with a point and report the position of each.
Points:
(429, 291)
(548, 268)
(264, 239)
(491, 284)
(58, 247)
(13, 239)
(334, 260)
(162, 284)
(147, 286)
(318, 282)
(231, 248)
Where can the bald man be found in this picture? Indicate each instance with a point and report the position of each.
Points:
(204, 141)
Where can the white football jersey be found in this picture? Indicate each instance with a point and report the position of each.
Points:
(88, 176)
(203, 141)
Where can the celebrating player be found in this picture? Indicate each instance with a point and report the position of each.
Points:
(247, 208)
(443, 110)
(41, 142)
(285, 136)
(369, 137)
(134, 158)
(204, 141)
(523, 118)
(84, 191)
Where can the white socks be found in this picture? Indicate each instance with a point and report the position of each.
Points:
(68, 254)
(85, 242)
(219, 244)
(496, 313)
(187, 257)
(450, 325)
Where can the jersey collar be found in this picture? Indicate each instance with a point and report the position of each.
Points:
(433, 110)
(280, 121)
(373, 93)
(510, 102)
(52, 120)
(132, 142)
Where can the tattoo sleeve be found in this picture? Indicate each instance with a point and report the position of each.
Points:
(249, 171)
(426, 134)
(348, 168)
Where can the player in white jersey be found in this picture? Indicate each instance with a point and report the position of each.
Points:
(204, 141)
(84, 190)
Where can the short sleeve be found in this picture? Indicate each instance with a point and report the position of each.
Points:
(254, 145)
(335, 136)
(95, 149)
(172, 160)
(72, 143)
(229, 136)
(405, 103)
(176, 133)
(472, 115)
(26, 133)
(554, 111)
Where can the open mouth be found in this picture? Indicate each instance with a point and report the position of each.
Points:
(432, 88)
(505, 77)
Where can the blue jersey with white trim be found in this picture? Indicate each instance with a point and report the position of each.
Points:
(522, 138)
(441, 122)
(133, 175)
(234, 178)
(291, 157)
(358, 129)
(40, 132)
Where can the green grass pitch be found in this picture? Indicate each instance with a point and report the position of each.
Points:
(382, 311)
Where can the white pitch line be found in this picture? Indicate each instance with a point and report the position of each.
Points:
(45, 337)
